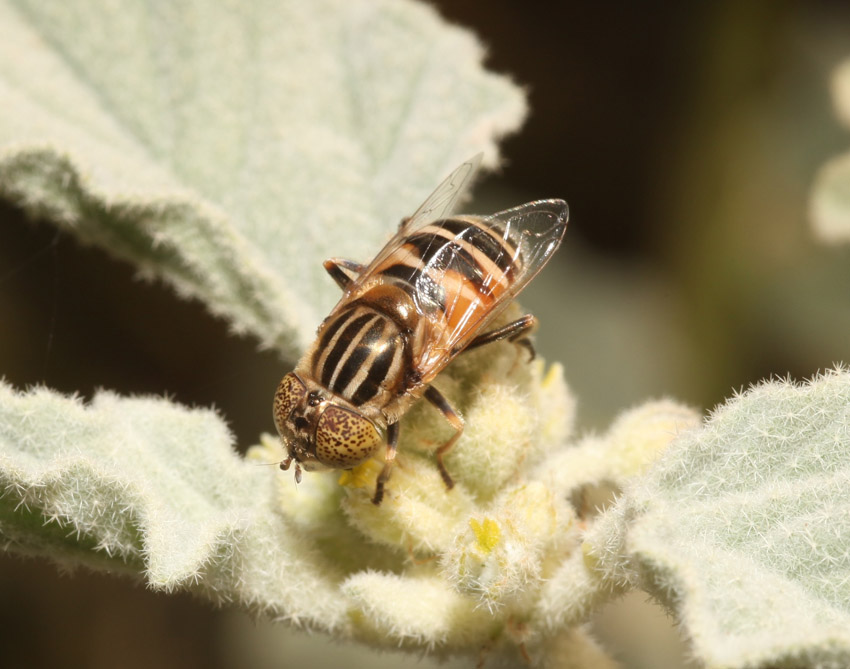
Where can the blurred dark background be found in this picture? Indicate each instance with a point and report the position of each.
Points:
(685, 136)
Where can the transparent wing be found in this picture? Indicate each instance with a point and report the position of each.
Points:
(531, 233)
(438, 205)
(442, 201)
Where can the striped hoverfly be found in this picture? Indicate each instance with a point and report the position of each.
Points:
(429, 295)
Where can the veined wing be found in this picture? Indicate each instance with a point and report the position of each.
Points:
(441, 202)
(438, 205)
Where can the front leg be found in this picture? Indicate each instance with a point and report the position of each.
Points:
(436, 398)
(343, 271)
(392, 446)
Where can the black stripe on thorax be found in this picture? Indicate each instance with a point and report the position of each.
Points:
(498, 249)
(369, 387)
(358, 356)
(329, 333)
(352, 328)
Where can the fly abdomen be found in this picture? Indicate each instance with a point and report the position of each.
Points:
(454, 269)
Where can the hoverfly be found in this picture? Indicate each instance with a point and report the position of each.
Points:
(428, 296)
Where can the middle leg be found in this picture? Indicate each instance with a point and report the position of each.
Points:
(436, 398)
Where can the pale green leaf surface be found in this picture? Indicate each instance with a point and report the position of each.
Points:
(145, 486)
(743, 528)
(434, 614)
(587, 471)
(230, 147)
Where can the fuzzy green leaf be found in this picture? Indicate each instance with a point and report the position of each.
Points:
(230, 147)
(146, 486)
(743, 528)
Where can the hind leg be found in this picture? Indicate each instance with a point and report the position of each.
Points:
(517, 331)
(436, 398)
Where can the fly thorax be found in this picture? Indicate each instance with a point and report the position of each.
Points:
(361, 357)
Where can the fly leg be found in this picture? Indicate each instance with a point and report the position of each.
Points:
(517, 331)
(436, 398)
(343, 271)
(392, 446)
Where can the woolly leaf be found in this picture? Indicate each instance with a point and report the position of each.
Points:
(743, 529)
(586, 474)
(230, 147)
(147, 486)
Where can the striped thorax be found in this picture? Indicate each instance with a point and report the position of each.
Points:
(428, 295)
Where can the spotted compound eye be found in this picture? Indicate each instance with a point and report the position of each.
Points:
(345, 438)
(289, 393)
